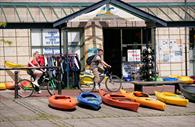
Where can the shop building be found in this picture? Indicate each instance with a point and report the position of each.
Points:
(121, 28)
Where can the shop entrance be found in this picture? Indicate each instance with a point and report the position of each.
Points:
(118, 42)
(192, 52)
(112, 49)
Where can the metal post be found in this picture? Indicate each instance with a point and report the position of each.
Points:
(67, 76)
(154, 41)
(59, 75)
(186, 60)
(121, 41)
(16, 84)
(59, 81)
(60, 35)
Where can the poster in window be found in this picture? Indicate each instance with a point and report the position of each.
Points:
(133, 55)
(51, 37)
(169, 51)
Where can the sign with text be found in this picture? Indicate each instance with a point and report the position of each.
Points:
(169, 50)
(133, 55)
(51, 37)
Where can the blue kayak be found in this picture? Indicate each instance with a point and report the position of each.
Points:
(169, 79)
(89, 100)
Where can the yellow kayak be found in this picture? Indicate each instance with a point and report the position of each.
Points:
(186, 79)
(144, 99)
(171, 98)
(13, 65)
(86, 78)
(2, 86)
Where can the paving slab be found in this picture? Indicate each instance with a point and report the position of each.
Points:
(34, 111)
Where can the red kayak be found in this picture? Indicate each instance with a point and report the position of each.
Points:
(118, 100)
(62, 102)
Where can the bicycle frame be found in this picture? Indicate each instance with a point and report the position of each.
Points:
(105, 76)
(53, 86)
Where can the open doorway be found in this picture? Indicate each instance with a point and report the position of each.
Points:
(192, 52)
(118, 42)
(112, 49)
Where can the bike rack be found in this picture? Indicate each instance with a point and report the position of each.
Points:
(16, 72)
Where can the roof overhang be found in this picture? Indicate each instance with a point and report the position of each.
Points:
(119, 4)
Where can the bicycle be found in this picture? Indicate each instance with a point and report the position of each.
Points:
(26, 87)
(112, 82)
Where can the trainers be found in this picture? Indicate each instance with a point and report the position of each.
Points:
(97, 86)
(36, 88)
(36, 83)
(39, 92)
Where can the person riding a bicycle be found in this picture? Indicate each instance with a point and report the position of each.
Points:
(37, 73)
(97, 66)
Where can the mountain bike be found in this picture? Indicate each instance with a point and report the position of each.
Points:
(26, 87)
(112, 82)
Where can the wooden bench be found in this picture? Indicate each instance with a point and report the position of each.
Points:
(138, 85)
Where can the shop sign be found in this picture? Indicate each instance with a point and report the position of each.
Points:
(133, 55)
(51, 37)
(51, 51)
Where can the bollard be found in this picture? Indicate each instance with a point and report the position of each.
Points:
(59, 82)
(16, 84)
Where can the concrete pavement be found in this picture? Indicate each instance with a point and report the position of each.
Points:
(35, 112)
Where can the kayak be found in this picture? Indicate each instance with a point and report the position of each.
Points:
(2, 86)
(62, 102)
(86, 78)
(186, 79)
(171, 98)
(13, 65)
(144, 99)
(170, 79)
(118, 100)
(10, 85)
(89, 100)
(188, 92)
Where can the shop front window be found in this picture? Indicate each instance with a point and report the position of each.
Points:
(75, 42)
(46, 41)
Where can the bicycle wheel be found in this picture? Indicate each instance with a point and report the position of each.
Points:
(51, 87)
(86, 84)
(113, 83)
(25, 88)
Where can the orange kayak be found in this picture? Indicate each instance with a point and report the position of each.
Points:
(10, 85)
(118, 100)
(62, 102)
(144, 99)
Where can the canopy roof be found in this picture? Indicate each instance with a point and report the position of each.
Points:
(110, 9)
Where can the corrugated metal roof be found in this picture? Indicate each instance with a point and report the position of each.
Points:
(50, 12)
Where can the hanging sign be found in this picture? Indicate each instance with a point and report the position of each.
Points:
(133, 55)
